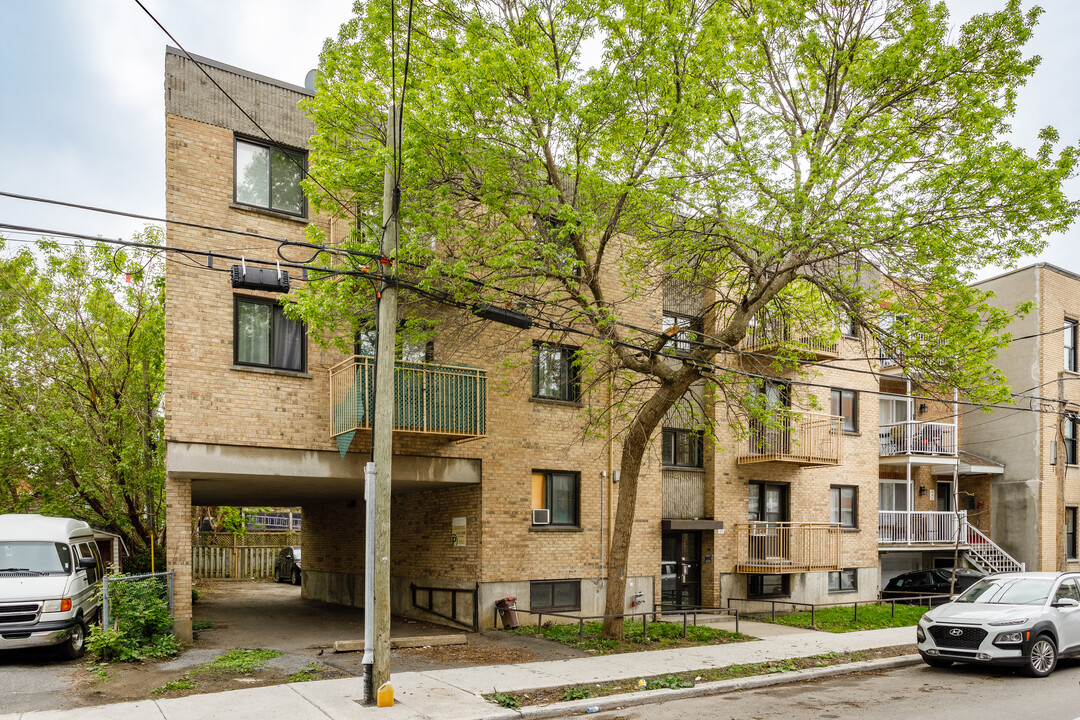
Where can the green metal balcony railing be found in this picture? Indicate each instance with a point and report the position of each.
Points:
(429, 399)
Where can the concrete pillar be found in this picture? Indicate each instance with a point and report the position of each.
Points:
(178, 552)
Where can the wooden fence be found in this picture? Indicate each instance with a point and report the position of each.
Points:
(222, 556)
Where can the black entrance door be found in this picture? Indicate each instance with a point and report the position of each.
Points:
(680, 569)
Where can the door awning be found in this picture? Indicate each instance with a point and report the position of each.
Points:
(684, 525)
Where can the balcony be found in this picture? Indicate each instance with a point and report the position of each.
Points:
(775, 338)
(929, 527)
(917, 438)
(445, 400)
(812, 439)
(788, 547)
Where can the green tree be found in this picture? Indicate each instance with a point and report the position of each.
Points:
(793, 161)
(81, 379)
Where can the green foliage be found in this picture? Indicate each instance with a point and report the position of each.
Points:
(194, 595)
(660, 634)
(842, 619)
(238, 661)
(140, 623)
(505, 699)
(669, 682)
(181, 684)
(576, 692)
(139, 562)
(202, 625)
(81, 380)
(310, 671)
(100, 672)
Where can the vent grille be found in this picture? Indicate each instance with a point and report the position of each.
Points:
(21, 613)
(954, 636)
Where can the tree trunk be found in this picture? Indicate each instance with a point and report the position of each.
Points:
(634, 446)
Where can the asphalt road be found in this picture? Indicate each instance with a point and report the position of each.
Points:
(915, 692)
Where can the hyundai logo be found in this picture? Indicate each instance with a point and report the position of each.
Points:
(956, 632)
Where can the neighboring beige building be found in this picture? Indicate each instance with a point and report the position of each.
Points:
(496, 491)
(1041, 365)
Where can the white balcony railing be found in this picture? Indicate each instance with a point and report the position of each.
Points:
(925, 527)
(917, 438)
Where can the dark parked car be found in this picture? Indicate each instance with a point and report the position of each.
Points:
(287, 566)
(936, 581)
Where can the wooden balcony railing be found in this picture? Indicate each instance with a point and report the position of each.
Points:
(772, 338)
(917, 438)
(429, 399)
(788, 547)
(812, 439)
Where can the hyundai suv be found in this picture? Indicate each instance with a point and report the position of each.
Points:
(1023, 619)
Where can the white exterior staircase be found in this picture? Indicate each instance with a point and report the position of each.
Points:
(986, 555)
(938, 529)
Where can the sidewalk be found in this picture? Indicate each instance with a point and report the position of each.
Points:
(455, 694)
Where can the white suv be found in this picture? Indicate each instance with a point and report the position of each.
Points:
(1024, 619)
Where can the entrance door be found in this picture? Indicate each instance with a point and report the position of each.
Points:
(769, 535)
(680, 569)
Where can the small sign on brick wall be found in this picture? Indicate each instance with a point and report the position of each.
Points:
(459, 532)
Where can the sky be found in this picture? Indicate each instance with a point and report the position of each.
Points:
(84, 117)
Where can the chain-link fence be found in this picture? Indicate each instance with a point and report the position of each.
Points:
(120, 590)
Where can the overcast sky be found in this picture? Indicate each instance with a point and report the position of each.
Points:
(82, 83)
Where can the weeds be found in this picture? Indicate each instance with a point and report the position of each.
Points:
(100, 672)
(202, 625)
(141, 624)
(181, 684)
(505, 699)
(660, 634)
(669, 682)
(240, 662)
(306, 673)
(576, 693)
(842, 619)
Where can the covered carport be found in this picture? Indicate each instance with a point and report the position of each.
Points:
(327, 486)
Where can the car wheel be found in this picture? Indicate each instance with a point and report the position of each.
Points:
(1042, 659)
(295, 577)
(74, 647)
(277, 578)
(937, 662)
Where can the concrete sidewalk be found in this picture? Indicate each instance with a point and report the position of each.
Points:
(455, 694)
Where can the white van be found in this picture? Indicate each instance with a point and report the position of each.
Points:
(50, 578)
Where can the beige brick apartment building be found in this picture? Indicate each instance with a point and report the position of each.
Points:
(495, 490)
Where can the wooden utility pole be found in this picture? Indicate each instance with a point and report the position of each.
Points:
(383, 434)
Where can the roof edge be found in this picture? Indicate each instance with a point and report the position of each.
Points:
(170, 50)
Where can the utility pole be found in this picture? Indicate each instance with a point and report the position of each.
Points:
(383, 422)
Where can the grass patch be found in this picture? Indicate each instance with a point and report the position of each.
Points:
(239, 662)
(202, 625)
(181, 684)
(306, 673)
(689, 679)
(660, 635)
(100, 672)
(842, 619)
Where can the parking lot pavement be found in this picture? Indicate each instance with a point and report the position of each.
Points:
(33, 679)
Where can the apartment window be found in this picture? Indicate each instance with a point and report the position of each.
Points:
(269, 177)
(1070, 533)
(555, 375)
(1069, 430)
(843, 581)
(690, 332)
(558, 493)
(892, 495)
(843, 505)
(845, 403)
(555, 595)
(1070, 345)
(848, 325)
(416, 351)
(765, 586)
(264, 337)
(683, 448)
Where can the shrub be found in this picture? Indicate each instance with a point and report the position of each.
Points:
(138, 562)
(139, 623)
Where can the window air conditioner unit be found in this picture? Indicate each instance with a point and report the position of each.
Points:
(541, 516)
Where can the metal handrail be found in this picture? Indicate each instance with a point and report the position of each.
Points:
(643, 615)
(853, 603)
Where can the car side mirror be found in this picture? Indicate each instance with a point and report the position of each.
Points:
(86, 563)
(1066, 603)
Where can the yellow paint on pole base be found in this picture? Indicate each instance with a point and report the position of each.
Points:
(386, 695)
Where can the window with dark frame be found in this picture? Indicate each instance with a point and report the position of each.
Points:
(268, 177)
(264, 337)
(682, 448)
(845, 403)
(554, 372)
(558, 493)
(843, 581)
(1070, 533)
(1070, 345)
(690, 332)
(1069, 432)
(555, 595)
(844, 506)
(848, 325)
(765, 586)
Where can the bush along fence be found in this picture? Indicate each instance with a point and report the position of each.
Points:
(234, 557)
(136, 618)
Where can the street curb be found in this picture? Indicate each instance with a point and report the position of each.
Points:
(648, 697)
